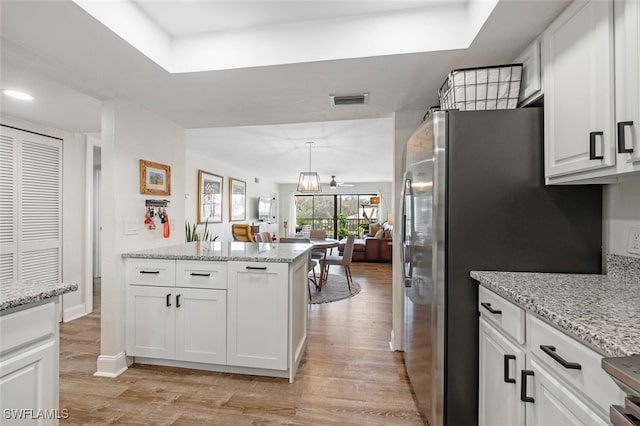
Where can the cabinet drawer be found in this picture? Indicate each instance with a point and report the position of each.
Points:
(158, 272)
(26, 326)
(505, 315)
(589, 379)
(201, 274)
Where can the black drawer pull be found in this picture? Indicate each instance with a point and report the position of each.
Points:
(150, 272)
(178, 301)
(592, 146)
(256, 268)
(523, 386)
(507, 358)
(169, 299)
(551, 351)
(622, 145)
(488, 307)
(195, 274)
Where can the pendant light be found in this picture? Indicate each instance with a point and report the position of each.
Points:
(333, 184)
(309, 181)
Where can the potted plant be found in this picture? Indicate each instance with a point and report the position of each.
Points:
(191, 233)
(343, 232)
(299, 225)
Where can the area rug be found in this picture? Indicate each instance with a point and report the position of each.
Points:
(335, 288)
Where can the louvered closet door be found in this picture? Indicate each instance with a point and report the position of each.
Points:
(8, 203)
(40, 208)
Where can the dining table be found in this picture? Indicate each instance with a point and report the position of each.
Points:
(325, 245)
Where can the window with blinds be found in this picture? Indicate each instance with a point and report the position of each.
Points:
(30, 206)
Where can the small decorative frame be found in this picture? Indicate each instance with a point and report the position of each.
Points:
(209, 197)
(237, 199)
(155, 178)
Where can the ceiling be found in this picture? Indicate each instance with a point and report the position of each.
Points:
(71, 62)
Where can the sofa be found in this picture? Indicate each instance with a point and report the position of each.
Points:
(374, 247)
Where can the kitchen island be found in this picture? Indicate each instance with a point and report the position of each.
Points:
(29, 349)
(222, 306)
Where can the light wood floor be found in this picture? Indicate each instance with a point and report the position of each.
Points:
(348, 375)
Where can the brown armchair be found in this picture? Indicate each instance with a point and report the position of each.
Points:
(242, 232)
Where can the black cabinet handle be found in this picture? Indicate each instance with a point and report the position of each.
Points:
(150, 272)
(523, 386)
(262, 268)
(169, 299)
(592, 146)
(622, 146)
(488, 307)
(551, 351)
(195, 274)
(507, 358)
(178, 301)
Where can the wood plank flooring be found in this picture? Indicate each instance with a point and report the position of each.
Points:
(348, 375)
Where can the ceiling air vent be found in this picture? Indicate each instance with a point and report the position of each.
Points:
(349, 99)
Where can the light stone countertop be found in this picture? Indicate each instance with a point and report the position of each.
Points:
(602, 311)
(18, 293)
(227, 251)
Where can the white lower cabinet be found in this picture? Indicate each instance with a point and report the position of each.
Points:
(537, 377)
(553, 403)
(500, 364)
(177, 323)
(177, 310)
(29, 354)
(257, 314)
(237, 317)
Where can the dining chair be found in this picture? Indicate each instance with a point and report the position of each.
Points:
(344, 261)
(265, 236)
(317, 234)
(312, 262)
(242, 232)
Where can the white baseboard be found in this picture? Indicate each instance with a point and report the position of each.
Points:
(111, 365)
(74, 312)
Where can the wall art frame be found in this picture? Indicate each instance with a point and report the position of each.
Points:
(237, 200)
(210, 197)
(155, 178)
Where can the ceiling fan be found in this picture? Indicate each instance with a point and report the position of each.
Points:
(333, 184)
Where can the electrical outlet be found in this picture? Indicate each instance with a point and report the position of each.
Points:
(634, 241)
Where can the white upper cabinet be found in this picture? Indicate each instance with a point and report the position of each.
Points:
(627, 63)
(579, 89)
(531, 84)
(592, 93)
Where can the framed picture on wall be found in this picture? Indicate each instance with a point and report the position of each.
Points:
(209, 197)
(155, 178)
(237, 199)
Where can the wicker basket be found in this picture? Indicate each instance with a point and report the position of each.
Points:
(473, 89)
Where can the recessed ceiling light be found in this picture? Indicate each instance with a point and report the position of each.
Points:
(18, 95)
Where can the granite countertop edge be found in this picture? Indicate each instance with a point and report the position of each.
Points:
(597, 339)
(20, 293)
(210, 258)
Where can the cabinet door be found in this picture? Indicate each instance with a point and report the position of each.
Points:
(201, 325)
(28, 379)
(257, 315)
(500, 364)
(627, 61)
(578, 87)
(555, 404)
(531, 84)
(150, 322)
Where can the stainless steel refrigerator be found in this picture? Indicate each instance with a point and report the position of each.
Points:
(474, 199)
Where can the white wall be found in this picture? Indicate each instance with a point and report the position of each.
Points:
(130, 133)
(405, 123)
(74, 225)
(286, 191)
(621, 213)
(195, 161)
